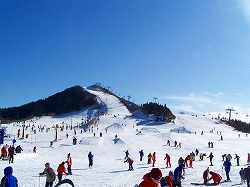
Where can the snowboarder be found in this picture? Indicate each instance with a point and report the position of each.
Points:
(152, 178)
(153, 159)
(215, 176)
(130, 163)
(9, 179)
(149, 158)
(167, 158)
(227, 167)
(141, 154)
(211, 156)
(205, 175)
(90, 157)
(50, 175)
(237, 157)
(69, 163)
(60, 170)
(177, 177)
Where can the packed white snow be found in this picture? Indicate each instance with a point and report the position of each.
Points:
(109, 168)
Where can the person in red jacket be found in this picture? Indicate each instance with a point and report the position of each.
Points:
(3, 152)
(215, 176)
(167, 158)
(60, 170)
(151, 179)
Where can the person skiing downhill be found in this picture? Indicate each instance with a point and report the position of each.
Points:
(130, 163)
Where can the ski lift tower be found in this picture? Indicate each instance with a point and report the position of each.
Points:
(229, 111)
(155, 104)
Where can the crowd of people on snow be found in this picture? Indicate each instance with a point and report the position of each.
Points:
(152, 179)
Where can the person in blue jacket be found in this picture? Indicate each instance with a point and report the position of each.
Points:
(177, 176)
(90, 156)
(9, 180)
(227, 166)
(141, 154)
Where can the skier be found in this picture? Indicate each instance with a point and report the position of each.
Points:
(50, 175)
(74, 140)
(9, 180)
(181, 162)
(69, 163)
(223, 157)
(188, 159)
(167, 158)
(215, 176)
(149, 158)
(90, 157)
(196, 152)
(237, 157)
(34, 149)
(202, 155)
(153, 159)
(205, 175)
(227, 166)
(60, 170)
(3, 152)
(229, 157)
(211, 156)
(168, 142)
(141, 154)
(177, 177)
(151, 179)
(130, 163)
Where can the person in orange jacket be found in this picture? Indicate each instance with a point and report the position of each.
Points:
(69, 163)
(215, 176)
(151, 179)
(60, 170)
(153, 159)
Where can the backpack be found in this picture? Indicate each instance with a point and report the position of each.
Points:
(52, 174)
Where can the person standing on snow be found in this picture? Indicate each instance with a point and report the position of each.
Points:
(237, 157)
(90, 157)
(227, 166)
(50, 175)
(211, 156)
(247, 175)
(151, 179)
(69, 163)
(167, 158)
(141, 154)
(177, 177)
(168, 180)
(149, 158)
(9, 180)
(153, 159)
(205, 175)
(60, 170)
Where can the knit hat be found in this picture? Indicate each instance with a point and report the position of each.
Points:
(155, 173)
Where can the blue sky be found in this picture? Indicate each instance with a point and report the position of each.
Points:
(192, 55)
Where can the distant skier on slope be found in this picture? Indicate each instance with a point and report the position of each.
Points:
(141, 154)
(130, 162)
(90, 157)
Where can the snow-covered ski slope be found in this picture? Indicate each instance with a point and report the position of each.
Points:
(109, 168)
